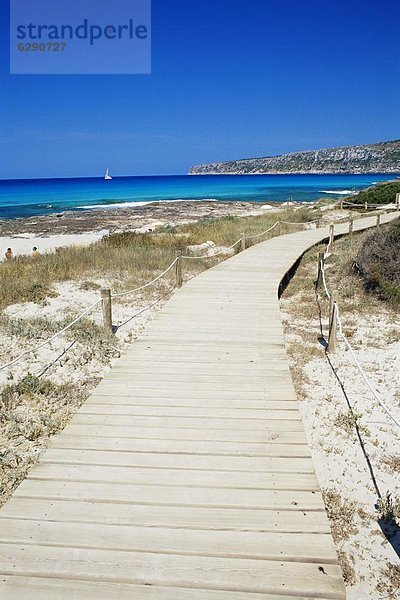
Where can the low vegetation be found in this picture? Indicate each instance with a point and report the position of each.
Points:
(31, 410)
(92, 337)
(383, 193)
(128, 259)
(389, 584)
(341, 513)
(389, 508)
(379, 264)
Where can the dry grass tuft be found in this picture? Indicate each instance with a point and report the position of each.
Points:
(341, 513)
(389, 507)
(389, 583)
(350, 421)
(392, 463)
(93, 339)
(348, 572)
(30, 412)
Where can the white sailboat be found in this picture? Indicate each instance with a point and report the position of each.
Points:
(107, 174)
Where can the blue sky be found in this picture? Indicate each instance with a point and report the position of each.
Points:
(230, 79)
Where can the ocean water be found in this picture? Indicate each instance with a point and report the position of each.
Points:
(32, 197)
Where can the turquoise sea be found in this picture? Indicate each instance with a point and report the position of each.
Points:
(31, 197)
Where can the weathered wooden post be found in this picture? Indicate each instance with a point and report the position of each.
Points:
(321, 261)
(279, 228)
(106, 305)
(178, 270)
(378, 220)
(243, 242)
(366, 205)
(318, 224)
(351, 226)
(341, 205)
(332, 323)
(398, 201)
(331, 237)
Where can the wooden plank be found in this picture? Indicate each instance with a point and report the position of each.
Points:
(231, 574)
(177, 517)
(217, 379)
(277, 431)
(293, 424)
(262, 465)
(236, 449)
(133, 403)
(197, 394)
(202, 369)
(244, 385)
(174, 412)
(303, 479)
(38, 588)
(240, 544)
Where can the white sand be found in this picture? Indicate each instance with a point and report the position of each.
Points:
(337, 454)
(23, 244)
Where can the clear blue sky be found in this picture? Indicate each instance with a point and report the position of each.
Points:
(230, 79)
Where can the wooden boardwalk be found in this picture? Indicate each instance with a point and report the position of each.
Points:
(186, 475)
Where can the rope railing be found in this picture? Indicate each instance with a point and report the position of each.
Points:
(298, 222)
(107, 296)
(146, 285)
(336, 326)
(363, 375)
(53, 337)
(189, 257)
(148, 307)
(257, 235)
(367, 205)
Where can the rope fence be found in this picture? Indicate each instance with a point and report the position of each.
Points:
(53, 337)
(107, 296)
(367, 205)
(335, 330)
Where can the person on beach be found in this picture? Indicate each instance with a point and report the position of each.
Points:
(35, 252)
(9, 254)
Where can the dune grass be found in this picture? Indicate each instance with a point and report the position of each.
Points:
(127, 259)
(31, 410)
(378, 262)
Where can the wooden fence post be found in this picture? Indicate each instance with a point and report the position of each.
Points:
(351, 226)
(331, 237)
(332, 322)
(178, 270)
(106, 305)
(366, 205)
(378, 220)
(318, 224)
(398, 201)
(243, 242)
(321, 261)
(341, 205)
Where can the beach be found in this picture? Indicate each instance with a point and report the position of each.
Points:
(83, 228)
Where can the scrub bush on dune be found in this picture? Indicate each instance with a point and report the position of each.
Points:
(378, 262)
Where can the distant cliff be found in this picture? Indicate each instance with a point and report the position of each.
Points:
(383, 157)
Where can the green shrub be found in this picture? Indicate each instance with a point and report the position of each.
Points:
(378, 261)
(383, 193)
